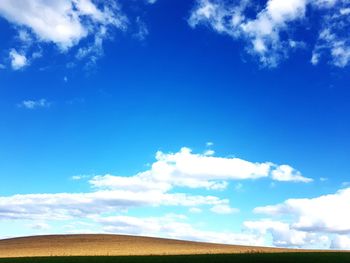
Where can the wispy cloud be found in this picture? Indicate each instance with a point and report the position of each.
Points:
(269, 33)
(175, 226)
(151, 1)
(334, 38)
(34, 104)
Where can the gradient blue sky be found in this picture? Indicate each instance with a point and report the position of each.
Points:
(245, 102)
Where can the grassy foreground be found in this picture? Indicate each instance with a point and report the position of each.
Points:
(243, 258)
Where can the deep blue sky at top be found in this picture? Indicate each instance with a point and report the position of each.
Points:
(178, 87)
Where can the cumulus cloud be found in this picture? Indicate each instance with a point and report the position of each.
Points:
(18, 60)
(149, 188)
(286, 173)
(34, 104)
(168, 183)
(326, 215)
(60, 22)
(186, 169)
(270, 32)
(154, 187)
(63, 23)
(285, 236)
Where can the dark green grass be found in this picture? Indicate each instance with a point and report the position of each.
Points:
(242, 258)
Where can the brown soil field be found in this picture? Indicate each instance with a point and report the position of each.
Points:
(115, 245)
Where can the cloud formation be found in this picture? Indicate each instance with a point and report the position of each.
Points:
(313, 214)
(34, 104)
(327, 214)
(186, 169)
(286, 173)
(169, 182)
(64, 23)
(154, 187)
(270, 33)
(18, 60)
(334, 39)
(283, 235)
(64, 206)
(174, 226)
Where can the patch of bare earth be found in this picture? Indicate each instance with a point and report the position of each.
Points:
(114, 245)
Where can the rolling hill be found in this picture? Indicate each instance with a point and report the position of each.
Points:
(114, 245)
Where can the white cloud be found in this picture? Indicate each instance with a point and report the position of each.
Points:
(25, 37)
(50, 20)
(142, 31)
(168, 183)
(186, 166)
(63, 23)
(341, 242)
(315, 58)
(224, 209)
(345, 11)
(286, 173)
(269, 33)
(209, 144)
(327, 213)
(60, 22)
(33, 104)
(264, 31)
(64, 206)
(283, 235)
(139, 182)
(209, 152)
(154, 187)
(174, 226)
(334, 39)
(321, 222)
(18, 60)
(79, 177)
(186, 169)
(261, 33)
(40, 226)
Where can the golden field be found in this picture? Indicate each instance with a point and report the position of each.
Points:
(115, 245)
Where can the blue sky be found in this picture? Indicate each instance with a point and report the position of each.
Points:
(221, 121)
